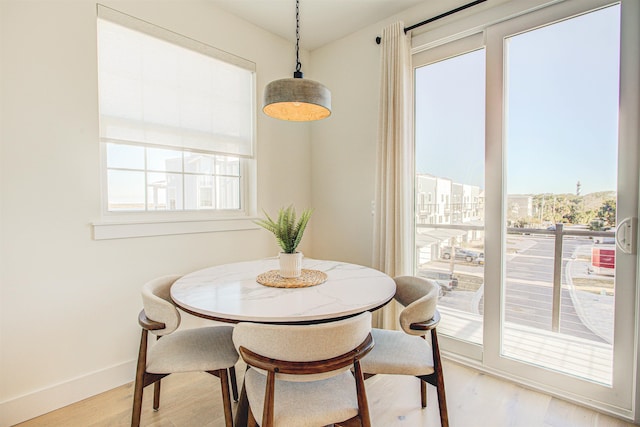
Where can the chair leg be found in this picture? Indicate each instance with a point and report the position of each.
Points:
(226, 400)
(442, 404)
(137, 404)
(156, 395)
(139, 383)
(156, 390)
(234, 383)
(363, 404)
(423, 387)
(437, 363)
(242, 410)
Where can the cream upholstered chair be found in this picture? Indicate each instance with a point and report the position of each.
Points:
(408, 352)
(299, 375)
(208, 349)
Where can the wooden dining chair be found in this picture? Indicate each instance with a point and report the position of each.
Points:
(407, 352)
(299, 375)
(207, 349)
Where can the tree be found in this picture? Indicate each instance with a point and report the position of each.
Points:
(596, 209)
(607, 213)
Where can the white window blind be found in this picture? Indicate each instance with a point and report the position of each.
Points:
(160, 88)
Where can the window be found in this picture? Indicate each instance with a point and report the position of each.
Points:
(177, 123)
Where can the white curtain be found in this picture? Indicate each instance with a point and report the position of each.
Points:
(393, 224)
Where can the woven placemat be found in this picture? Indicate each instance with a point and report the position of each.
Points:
(306, 279)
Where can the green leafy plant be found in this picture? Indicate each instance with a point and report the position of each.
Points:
(287, 229)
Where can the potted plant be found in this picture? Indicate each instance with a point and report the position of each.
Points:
(288, 231)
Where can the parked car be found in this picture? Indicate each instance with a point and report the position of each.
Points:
(446, 281)
(462, 254)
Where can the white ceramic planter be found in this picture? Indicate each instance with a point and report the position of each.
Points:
(290, 264)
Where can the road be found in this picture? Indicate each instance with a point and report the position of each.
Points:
(529, 286)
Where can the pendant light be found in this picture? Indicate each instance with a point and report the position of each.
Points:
(297, 99)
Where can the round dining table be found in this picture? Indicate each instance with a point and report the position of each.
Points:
(231, 293)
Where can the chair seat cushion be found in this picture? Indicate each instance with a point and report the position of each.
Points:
(199, 349)
(395, 352)
(304, 404)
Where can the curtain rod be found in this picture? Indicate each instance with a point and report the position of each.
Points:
(435, 18)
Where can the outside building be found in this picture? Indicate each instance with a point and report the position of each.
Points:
(447, 214)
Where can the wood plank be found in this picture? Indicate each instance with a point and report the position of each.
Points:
(474, 399)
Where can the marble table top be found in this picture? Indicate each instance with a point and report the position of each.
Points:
(230, 293)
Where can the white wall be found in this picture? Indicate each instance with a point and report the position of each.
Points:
(68, 303)
(344, 150)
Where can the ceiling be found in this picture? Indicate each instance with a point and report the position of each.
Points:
(321, 21)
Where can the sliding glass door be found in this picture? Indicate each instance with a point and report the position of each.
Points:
(527, 175)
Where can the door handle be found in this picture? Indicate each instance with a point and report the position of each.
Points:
(626, 235)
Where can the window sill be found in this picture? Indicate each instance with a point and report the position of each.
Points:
(131, 229)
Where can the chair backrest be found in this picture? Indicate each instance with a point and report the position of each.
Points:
(420, 298)
(158, 306)
(304, 343)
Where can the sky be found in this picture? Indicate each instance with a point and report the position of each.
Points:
(561, 108)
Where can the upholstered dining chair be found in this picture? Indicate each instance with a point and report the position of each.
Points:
(208, 349)
(407, 352)
(300, 375)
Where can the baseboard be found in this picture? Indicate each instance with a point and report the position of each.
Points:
(40, 402)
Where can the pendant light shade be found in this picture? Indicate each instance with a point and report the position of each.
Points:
(297, 99)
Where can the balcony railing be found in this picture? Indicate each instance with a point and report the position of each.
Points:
(557, 305)
(559, 233)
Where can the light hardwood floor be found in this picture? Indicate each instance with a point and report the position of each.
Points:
(474, 399)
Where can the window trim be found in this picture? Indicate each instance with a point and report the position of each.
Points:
(131, 229)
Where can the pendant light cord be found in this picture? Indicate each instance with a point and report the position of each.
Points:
(298, 72)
